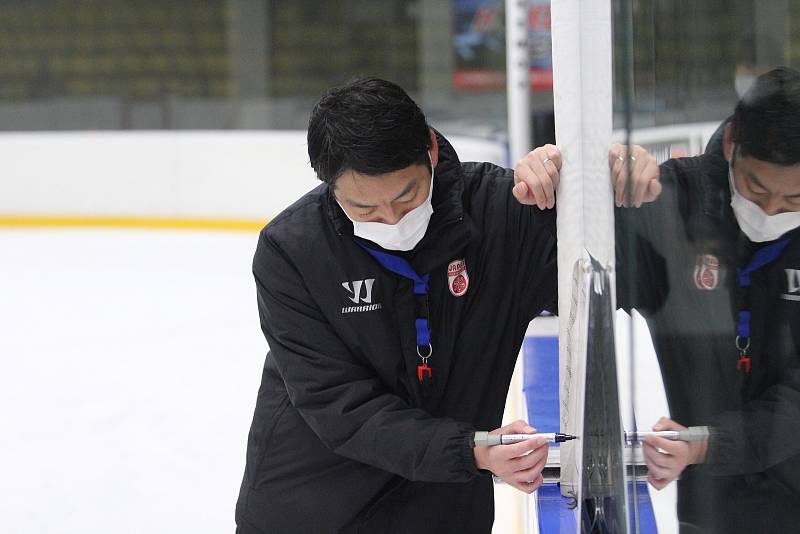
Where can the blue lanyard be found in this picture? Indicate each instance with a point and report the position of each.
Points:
(401, 267)
(763, 257)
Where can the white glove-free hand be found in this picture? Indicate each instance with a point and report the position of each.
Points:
(666, 459)
(537, 175)
(518, 464)
(645, 184)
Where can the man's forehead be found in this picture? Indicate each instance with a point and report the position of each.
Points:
(356, 188)
(778, 178)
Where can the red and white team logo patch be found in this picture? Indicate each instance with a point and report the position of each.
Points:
(706, 272)
(457, 278)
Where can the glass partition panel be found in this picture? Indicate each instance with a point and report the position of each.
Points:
(710, 265)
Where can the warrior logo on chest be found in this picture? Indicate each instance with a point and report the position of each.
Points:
(792, 285)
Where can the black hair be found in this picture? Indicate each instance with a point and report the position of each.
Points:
(766, 122)
(370, 126)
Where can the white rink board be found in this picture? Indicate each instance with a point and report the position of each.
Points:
(222, 174)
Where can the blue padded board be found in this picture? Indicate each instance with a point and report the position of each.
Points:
(540, 385)
(555, 516)
(540, 381)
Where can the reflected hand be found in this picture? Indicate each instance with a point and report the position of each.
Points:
(536, 177)
(666, 459)
(645, 186)
(518, 464)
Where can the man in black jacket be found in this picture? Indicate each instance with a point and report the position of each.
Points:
(394, 298)
(717, 276)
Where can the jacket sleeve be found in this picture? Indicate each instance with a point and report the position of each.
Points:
(535, 252)
(341, 398)
(641, 271)
(761, 435)
(524, 235)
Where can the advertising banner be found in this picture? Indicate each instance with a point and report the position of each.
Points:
(479, 43)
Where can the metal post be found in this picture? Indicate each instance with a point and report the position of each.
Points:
(518, 82)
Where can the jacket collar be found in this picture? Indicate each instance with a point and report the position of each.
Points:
(716, 191)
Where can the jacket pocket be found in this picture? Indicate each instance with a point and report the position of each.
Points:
(269, 410)
(382, 514)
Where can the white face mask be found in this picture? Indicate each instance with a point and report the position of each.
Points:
(757, 225)
(404, 235)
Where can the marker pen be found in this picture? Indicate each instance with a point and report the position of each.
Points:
(484, 439)
(693, 433)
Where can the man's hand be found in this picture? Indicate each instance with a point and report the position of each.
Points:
(536, 177)
(518, 464)
(645, 186)
(666, 459)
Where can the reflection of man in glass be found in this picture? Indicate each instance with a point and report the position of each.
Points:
(714, 266)
(717, 275)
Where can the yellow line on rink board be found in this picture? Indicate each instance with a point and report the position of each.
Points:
(152, 223)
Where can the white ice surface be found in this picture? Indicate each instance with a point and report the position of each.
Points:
(129, 366)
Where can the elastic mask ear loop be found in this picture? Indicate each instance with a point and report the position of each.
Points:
(433, 172)
(731, 174)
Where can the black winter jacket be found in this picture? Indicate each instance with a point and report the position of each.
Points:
(685, 249)
(344, 438)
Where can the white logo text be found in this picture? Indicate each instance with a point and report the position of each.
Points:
(792, 285)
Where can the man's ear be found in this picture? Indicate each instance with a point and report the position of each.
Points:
(727, 141)
(434, 150)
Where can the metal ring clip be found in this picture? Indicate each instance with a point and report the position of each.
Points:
(747, 345)
(430, 351)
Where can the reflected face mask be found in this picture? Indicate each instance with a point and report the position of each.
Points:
(404, 235)
(757, 225)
